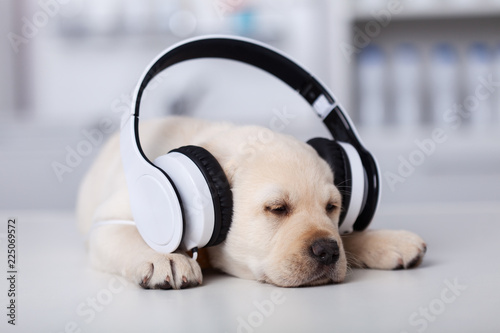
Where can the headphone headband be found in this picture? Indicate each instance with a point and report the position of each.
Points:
(246, 51)
(281, 66)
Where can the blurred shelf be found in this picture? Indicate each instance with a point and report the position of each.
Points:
(466, 139)
(435, 11)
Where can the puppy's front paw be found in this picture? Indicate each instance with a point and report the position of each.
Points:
(169, 271)
(386, 249)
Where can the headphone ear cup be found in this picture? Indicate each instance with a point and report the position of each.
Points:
(334, 154)
(220, 190)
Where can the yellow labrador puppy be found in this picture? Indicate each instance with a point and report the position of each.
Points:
(285, 214)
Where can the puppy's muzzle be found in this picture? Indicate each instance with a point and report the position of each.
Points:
(325, 251)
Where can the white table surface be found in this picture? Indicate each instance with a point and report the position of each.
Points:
(58, 292)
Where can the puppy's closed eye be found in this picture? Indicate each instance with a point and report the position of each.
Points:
(331, 207)
(279, 209)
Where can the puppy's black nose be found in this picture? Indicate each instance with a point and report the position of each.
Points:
(325, 251)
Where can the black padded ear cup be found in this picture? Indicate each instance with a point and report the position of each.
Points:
(222, 196)
(336, 157)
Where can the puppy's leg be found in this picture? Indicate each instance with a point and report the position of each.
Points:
(120, 249)
(384, 249)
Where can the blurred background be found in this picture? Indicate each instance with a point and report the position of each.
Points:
(421, 80)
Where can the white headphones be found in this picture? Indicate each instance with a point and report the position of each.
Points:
(161, 192)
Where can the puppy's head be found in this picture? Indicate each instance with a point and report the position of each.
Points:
(285, 220)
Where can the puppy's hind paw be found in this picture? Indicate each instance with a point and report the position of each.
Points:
(169, 271)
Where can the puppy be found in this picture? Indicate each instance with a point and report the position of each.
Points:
(285, 213)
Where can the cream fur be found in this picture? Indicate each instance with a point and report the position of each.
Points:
(263, 168)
